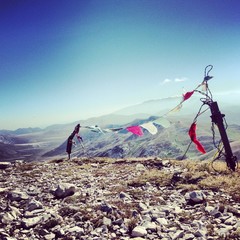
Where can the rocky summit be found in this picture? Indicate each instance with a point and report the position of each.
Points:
(100, 198)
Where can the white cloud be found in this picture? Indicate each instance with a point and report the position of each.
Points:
(167, 80)
(183, 79)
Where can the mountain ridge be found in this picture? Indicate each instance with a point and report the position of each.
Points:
(52, 138)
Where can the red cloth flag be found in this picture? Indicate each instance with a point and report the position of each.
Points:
(192, 134)
(187, 95)
(135, 130)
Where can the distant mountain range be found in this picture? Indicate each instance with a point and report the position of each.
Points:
(229, 105)
(36, 144)
(169, 142)
(151, 107)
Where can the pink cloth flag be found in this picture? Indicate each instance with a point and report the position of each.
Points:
(135, 130)
(192, 134)
(187, 95)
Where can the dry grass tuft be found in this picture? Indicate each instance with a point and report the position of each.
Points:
(228, 182)
(202, 166)
(188, 187)
(26, 167)
(153, 176)
(205, 175)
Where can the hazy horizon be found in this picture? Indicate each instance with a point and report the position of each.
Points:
(191, 106)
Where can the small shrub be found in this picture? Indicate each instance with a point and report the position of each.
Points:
(132, 223)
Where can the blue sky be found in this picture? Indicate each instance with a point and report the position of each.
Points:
(63, 61)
